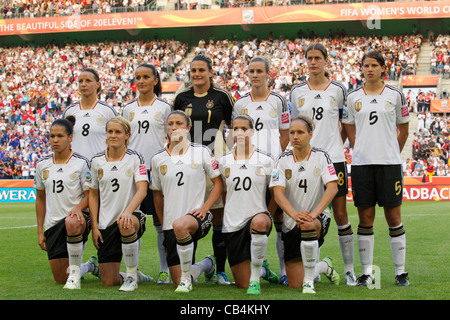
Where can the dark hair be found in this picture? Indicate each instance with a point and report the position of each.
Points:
(208, 61)
(245, 117)
(377, 56)
(309, 123)
(67, 123)
(319, 47)
(96, 76)
(181, 113)
(157, 89)
(263, 60)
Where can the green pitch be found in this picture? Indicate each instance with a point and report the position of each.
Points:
(25, 273)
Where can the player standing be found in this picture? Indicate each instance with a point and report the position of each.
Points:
(179, 183)
(147, 115)
(377, 122)
(91, 115)
(118, 185)
(246, 172)
(61, 199)
(323, 100)
(304, 183)
(270, 112)
(210, 109)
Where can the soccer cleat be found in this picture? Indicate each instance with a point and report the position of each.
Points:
(222, 279)
(163, 278)
(269, 276)
(365, 280)
(331, 274)
(130, 284)
(308, 288)
(283, 280)
(72, 283)
(254, 288)
(184, 287)
(350, 279)
(94, 261)
(402, 280)
(141, 277)
(210, 277)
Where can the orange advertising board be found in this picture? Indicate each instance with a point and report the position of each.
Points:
(370, 12)
(420, 80)
(440, 106)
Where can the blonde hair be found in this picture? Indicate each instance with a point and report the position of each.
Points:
(123, 122)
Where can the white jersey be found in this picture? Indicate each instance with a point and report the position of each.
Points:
(324, 107)
(182, 180)
(63, 185)
(303, 181)
(376, 118)
(89, 132)
(270, 116)
(148, 126)
(116, 183)
(246, 183)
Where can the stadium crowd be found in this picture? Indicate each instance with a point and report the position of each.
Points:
(440, 57)
(30, 99)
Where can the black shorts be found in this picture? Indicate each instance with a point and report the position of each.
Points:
(341, 173)
(170, 241)
(56, 238)
(111, 248)
(292, 239)
(382, 184)
(238, 243)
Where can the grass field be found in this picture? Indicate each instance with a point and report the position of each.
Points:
(25, 273)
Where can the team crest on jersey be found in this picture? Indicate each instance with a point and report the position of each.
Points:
(100, 174)
(273, 113)
(316, 172)
(210, 104)
(259, 171)
(301, 102)
(288, 174)
(227, 172)
(74, 176)
(332, 102)
(129, 172)
(194, 165)
(389, 106)
(163, 169)
(188, 110)
(244, 111)
(358, 106)
(100, 120)
(45, 174)
(131, 116)
(158, 116)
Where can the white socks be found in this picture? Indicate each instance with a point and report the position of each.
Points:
(185, 250)
(258, 248)
(161, 250)
(130, 250)
(309, 247)
(75, 248)
(397, 240)
(346, 242)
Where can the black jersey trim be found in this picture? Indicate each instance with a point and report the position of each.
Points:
(133, 152)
